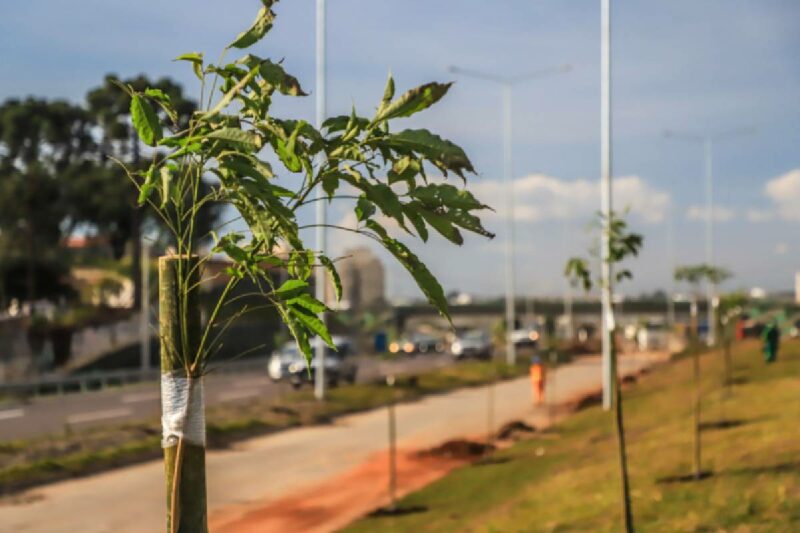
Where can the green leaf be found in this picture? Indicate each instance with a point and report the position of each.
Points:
(330, 183)
(436, 195)
(334, 274)
(441, 152)
(404, 169)
(245, 139)
(411, 211)
(388, 94)
(385, 198)
(443, 226)
(412, 101)
(278, 78)
(147, 188)
(261, 25)
(291, 288)
(145, 121)
(364, 208)
(577, 271)
(297, 331)
(313, 324)
(468, 221)
(163, 101)
(286, 149)
(308, 302)
(196, 58)
(422, 276)
(300, 264)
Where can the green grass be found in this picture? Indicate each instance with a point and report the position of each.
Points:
(26, 463)
(567, 479)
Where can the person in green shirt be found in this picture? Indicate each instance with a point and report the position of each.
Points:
(771, 337)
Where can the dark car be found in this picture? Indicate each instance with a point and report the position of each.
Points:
(288, 364)
(472, 343)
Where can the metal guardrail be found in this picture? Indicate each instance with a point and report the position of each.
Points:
(98, 380)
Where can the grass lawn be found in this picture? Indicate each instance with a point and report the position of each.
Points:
(567, 479)
(49, 458)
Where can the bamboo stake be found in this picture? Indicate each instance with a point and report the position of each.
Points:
(180, 333)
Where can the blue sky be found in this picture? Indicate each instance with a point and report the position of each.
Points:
(695, 65)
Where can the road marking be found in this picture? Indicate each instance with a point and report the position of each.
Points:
(237, 394)
(98, 415)
(8, 414)
(141, 397)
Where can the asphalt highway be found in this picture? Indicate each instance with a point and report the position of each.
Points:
(74, 411)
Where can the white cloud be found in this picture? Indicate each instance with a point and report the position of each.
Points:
(542, 197)
(760, 215)
(784, 191)
(721, 213)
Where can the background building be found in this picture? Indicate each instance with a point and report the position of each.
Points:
(363, 282)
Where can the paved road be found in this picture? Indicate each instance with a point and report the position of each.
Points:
(51, 414)
(267, 467)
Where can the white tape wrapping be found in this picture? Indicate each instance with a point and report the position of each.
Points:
(182, 410)
(610, 325)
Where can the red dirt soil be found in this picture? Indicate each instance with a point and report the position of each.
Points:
(335, 503)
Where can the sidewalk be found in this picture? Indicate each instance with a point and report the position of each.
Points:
(257, 471)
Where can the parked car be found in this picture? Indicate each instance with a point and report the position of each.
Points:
(472, 343)
(526, 337)
(288, 364)
(652, 336)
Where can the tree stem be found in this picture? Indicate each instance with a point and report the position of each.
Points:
(623, 457)
(184, 462)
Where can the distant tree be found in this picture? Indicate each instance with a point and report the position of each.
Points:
(622, 244)
(41, 142)
(113, 212)
(731, 307)
(694, 275)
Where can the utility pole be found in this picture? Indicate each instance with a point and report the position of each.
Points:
(319, 275)
(608, 365)
(707, 141)
(507, 83)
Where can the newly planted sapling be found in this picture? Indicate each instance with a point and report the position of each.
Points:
(694, 275)
(622, 244)
(356, 159)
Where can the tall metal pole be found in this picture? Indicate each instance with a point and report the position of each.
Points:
(710, 286)
(319, 279)
(508, 175)
(511, 352)
(608, 366)
(144, 319)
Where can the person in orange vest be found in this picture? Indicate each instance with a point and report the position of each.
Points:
(537, 380)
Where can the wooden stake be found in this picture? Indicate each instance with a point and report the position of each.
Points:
(180, 330)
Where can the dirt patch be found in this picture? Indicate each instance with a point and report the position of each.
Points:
(515, 430)
(335, 503)
(588, 400)
(460, 449)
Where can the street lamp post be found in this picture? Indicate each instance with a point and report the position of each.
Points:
(608, 362)
(707, 141)
(319, 275)
(507, 83)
